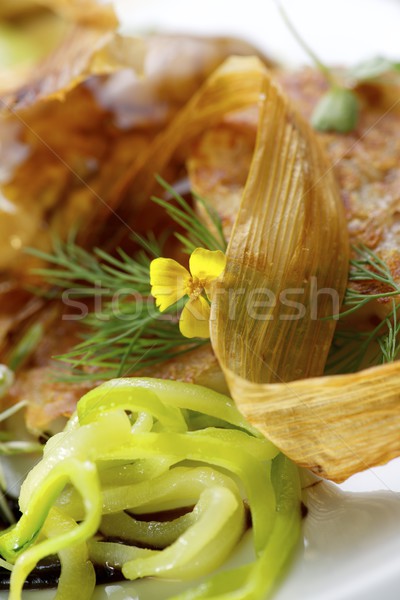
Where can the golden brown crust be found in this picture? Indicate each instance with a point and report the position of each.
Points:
(366, 163)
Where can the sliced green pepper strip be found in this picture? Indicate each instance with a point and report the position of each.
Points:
(144, 422)
(174, 394)
(84, 443)
(114, 553)
(179, 487)
(115, 473)
(185, 484)
(261, 449)
(14, 542)
(259, 579)
(153, 534)
(219, 512)
(211, 450)
(108, 398)
(78, 577)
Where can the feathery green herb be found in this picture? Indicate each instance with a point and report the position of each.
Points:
(126, 332)
(364, 269)
(338, 109)
(197, 234)
(353, 349)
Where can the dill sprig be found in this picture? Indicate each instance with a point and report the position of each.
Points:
(96, 273)
(197, 234)
(365, 269)
(135, 337)
(127, 333)
(389, 343)
(353, 349)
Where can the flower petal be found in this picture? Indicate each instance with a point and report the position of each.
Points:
(195, 319)
(169, 281)
(207, 265)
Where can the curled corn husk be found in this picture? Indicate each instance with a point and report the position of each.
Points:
(289, 243)
(290, 228)
(290, 235)
(87, 11)
(83, 52)
(336, 426)
(235, 85)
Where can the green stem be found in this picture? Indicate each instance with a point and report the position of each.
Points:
(316, 60)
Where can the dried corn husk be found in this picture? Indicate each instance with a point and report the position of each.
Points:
(289, 230)
(87, 143)
(235, 85)
(289, 240)
(68, 42)
(315, 421)
(336, 426)
(87, 11)
(290, 226)
(83, 52)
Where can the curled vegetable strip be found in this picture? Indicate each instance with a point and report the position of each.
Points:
(259, 578)
(133, 449)
(18, 541)
(218, 512)
(78, 577)
(196, 398)
(252, 472)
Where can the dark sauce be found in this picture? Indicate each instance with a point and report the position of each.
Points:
(303, 510)
(45, 575)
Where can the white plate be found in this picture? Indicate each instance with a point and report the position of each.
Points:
(352, 532)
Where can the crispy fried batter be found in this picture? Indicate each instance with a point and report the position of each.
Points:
(50, 400)
(366, 162)
(59, 166)
(61, 161)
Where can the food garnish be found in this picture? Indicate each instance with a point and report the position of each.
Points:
(339, 108)
(336, 111)
(121, 458)
(358, 347)
(170, 282)
(142, 338)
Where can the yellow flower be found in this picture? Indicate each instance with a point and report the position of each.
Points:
(170, 282)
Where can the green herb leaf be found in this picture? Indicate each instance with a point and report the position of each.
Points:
(198, 235)
(130, 334)
(353, 349)
(24, 348)
(337, 110)
(6, 380)
(372, 68)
